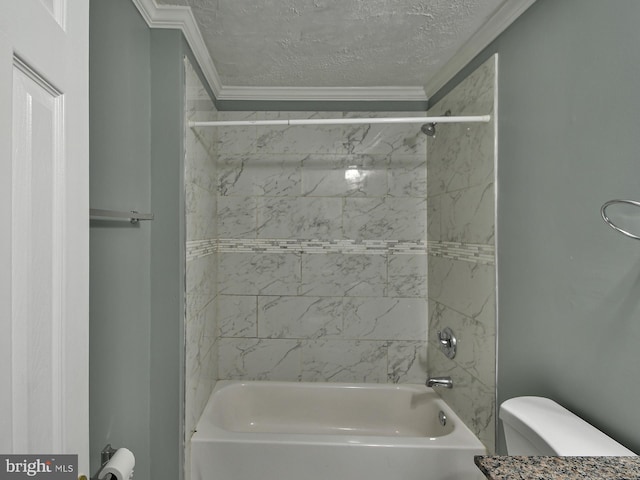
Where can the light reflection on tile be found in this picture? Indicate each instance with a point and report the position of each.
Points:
(344, 175)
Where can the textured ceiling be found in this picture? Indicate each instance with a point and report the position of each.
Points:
(335, 43)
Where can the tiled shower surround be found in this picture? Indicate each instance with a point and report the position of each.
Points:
(322, 251)
(461, 199)
(307, 251)
(201, 362)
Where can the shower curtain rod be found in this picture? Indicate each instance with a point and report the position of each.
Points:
(344, 121)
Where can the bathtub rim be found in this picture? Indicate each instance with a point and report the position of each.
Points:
(460, 438)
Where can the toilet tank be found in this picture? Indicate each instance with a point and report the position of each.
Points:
(539, 426)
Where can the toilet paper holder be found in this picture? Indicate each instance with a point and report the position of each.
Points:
(115, 464)
(105, 455)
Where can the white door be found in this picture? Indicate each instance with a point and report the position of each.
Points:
(44, 227)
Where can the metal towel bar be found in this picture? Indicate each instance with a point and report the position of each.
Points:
(133, 216)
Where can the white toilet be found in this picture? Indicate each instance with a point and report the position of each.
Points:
(539, 426)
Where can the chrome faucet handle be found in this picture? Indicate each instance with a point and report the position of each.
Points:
(444, 339)
(448, 342)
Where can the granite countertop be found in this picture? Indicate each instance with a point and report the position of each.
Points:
(558, 468)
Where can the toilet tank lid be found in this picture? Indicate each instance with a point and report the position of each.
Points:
(545, 422)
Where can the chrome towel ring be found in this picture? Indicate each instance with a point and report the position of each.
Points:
(603, 212)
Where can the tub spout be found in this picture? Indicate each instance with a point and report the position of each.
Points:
(444, 382)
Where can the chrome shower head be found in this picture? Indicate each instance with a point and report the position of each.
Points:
(429, 129)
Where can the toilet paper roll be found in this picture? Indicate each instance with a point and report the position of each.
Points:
(120, 465)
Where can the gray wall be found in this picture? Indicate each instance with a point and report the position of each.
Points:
(137, 272)
(167, 254)
(120, 286)
(569, 286)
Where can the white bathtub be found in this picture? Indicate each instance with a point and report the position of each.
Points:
(330, 431)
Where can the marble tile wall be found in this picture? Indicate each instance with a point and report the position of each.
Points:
(201, 362)
(461, 244)
(307, 251)
(322, 251)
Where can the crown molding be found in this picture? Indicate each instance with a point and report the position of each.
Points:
(324, 94)
(504, 16)
(181, 18)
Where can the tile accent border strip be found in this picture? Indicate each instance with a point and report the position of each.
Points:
(368, 247)
(468, 252)
(200, 248)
